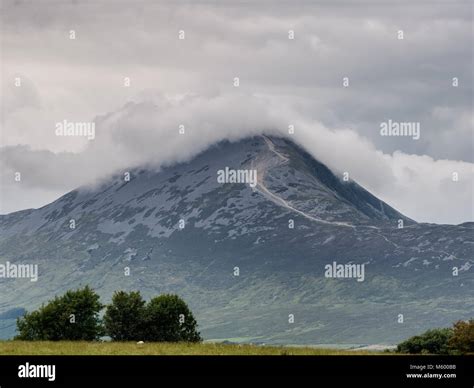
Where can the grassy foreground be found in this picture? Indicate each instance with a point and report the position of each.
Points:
(132, 348)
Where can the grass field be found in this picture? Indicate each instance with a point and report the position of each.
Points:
(132, 348)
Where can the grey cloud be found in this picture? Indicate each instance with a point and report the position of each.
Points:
(389, 78)
(281, 81)
(145, 133)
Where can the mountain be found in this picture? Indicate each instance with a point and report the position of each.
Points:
(251, 260)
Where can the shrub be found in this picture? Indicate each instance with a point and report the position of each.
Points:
(168, 318)
(123, 319)
(433, 341)
(73, 316)
(462, 340)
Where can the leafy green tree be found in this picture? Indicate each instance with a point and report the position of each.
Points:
(123, 319)
(73, 316)
(462, 340)
(434, 341)
(168, 318)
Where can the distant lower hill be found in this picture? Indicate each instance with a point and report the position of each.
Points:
(8, 322)
(249, 261)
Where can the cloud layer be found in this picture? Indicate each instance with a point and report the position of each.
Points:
(282, 82)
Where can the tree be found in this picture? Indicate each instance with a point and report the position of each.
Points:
(462, 340)
(123, 319)
(433, 341)
(73, 316)
(168, 318)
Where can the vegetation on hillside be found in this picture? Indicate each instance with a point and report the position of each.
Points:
(75, 316)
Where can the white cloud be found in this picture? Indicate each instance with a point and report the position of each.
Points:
(146, 133)
(282, 81)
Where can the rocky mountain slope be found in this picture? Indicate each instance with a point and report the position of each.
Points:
(250, 259)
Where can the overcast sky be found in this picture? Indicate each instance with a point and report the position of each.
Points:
(282, 81)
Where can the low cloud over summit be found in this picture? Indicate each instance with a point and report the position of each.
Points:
(190, 82)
